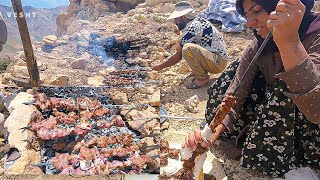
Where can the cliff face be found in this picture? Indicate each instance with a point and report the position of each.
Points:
(90, 10)
(41, 22)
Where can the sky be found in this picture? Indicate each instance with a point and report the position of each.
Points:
(38, 3)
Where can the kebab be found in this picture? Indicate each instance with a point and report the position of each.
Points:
(93, 161)
(124, 72)
(117, 81)
(193, 161)
(48, 128)
(84, 103)
(105, 141)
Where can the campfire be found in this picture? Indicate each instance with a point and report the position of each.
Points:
(80, 132)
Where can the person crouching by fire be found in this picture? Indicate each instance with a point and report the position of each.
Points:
(202, 46)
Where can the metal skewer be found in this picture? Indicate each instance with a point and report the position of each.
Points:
(254, 60)
(43, 164)
(182, 118)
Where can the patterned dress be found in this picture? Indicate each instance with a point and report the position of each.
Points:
(280, 138)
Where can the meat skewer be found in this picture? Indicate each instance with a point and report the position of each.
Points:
(95, 160)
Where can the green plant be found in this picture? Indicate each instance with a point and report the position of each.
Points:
(141, 18)
(4, 63)
(158, 19)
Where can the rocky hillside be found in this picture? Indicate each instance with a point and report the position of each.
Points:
(72, 56)
(76, 57)
(91, 10)
(41, 22)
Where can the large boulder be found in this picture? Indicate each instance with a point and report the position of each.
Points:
(89, 10)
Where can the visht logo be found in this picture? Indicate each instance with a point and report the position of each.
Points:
(8, 15)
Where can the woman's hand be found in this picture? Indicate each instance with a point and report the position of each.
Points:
(194, 138)
(285, 21)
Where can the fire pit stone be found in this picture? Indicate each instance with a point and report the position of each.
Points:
(143, 126)
(24, 165)
(19, 118)
(96, 81)
(155, 99)
(133, 115)
(119, 97)
(21, 98)
(59, 80)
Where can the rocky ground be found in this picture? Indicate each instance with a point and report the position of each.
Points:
(68, 61)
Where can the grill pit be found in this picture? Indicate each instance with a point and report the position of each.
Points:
(85, 152)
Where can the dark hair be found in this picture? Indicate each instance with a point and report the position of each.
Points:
(270, 5)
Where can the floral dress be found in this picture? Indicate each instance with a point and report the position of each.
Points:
(280, 138)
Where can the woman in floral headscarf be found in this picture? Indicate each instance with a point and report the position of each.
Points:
(277, 115)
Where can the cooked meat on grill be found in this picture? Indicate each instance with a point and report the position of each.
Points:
(119, 151)
(116, 121)
(101, 112)
(66, 118)
(69, 170)
(139, 161)
(46, 124)
(55, 133)
(88, 104)
(86, 153)
(60, 161)
(115, 165)
(82, 129)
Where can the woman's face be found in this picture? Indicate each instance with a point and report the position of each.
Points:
(257, 17)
